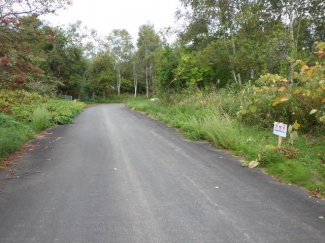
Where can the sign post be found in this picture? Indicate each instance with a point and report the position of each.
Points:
(280, 129)
(279, 141)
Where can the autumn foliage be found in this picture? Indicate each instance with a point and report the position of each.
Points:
(21, 38)
(274, 97)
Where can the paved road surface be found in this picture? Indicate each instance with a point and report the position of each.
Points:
(117, 176)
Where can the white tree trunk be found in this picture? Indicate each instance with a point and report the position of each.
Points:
(119, 81)
(239, 78)
(147, 80)
(147, 49)
(135, 80)
(234, 76)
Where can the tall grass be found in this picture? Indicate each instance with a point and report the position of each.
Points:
(41, 119)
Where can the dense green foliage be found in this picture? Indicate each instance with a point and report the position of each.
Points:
(22, 104)
(35, 56)
(120, 67)
(240, 40)
(274, 98)
(23, 114)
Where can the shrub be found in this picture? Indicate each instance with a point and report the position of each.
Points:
(274, 98)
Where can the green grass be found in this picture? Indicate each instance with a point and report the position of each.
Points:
(23, 114)
(212, 118)
(13, 134)
(41, 119)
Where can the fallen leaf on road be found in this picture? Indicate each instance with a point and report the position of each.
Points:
(253, 164)
(58, 139)
(43, 135)
(314, 194)
(12, 172)
(244, 163)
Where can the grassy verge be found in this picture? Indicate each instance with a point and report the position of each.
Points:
(207, 119)
(24, 114)
(13, 135)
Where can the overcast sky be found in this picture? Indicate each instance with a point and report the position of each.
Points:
(106, 15)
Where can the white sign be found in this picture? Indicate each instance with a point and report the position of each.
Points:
(280, 129)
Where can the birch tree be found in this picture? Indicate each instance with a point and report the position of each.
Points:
(135, 72)
(121, 47)
(148, 42)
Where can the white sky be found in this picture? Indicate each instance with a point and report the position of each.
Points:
(106, 15)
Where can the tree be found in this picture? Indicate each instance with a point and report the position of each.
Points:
(135, 71)
(121, 47)
(102, 73)
(167, 63)
(13, 9)
(148, 41)
(20, 40)
(66, 60)
(258, 36)
(218, 17)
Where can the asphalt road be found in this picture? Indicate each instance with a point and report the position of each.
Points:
(119, 176)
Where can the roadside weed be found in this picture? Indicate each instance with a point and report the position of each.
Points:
(41, 119)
